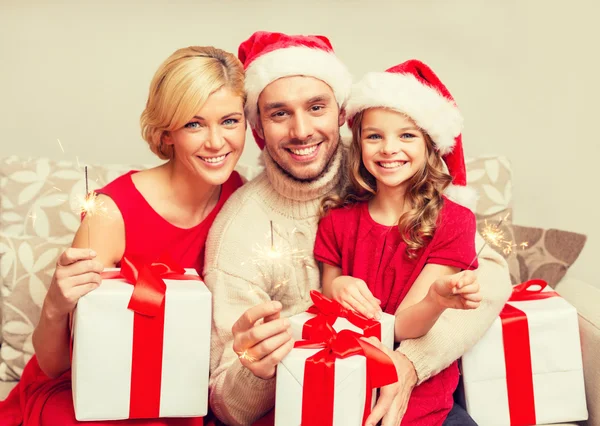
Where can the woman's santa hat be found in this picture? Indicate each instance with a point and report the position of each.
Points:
(413, 89)
(270, 56)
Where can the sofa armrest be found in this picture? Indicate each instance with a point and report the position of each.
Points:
(586, 299)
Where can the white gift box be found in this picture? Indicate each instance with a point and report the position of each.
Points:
(349, 395)
(102, 350)
(387, 327)
(556, 364)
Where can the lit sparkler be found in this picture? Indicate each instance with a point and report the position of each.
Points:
(89, 205)
(494, 236)
(277, 259)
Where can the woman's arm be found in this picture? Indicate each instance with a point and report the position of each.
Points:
(77, 273)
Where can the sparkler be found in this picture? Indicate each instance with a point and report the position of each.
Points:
(494, 236)
(276, 259)
(89, 205)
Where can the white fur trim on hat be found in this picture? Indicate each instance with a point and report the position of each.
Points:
(429, 109)
(297, 60)
(463, 195)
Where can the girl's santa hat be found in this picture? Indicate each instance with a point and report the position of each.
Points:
(270, 56)
(413, 89)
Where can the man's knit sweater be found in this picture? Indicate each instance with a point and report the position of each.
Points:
(240, 275)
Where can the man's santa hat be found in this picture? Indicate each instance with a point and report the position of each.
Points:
(413, 89)
(270, 56)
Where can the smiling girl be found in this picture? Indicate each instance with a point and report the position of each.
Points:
(387, 239)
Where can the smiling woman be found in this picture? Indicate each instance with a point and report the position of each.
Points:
(194, 119)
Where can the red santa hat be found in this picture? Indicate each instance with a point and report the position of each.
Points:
(270, 56)
(413, 89)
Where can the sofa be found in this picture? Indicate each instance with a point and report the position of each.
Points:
(39, 201)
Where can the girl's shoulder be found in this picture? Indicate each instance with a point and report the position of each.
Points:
(453, 208)
(347, 211)
(454, 214)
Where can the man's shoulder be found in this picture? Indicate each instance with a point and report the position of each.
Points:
(243, 201)
(241, 222)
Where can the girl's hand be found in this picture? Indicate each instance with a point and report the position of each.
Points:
(458, 291)
(76, 274)
(353, 293)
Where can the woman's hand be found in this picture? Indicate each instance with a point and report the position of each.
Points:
(76, 274)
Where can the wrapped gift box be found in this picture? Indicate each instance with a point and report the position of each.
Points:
(131, 365)
(331, 375)
(349, 394)
(527, 369)
(342, 319)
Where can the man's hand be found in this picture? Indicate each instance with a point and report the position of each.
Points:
(458, 291)
(261, 345)
(393, 398)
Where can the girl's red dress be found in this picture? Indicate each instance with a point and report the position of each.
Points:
(350, 239)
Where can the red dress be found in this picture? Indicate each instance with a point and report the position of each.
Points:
(349, 238)
(40, 401)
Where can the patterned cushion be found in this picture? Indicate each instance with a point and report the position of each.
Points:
(41, 197)
(26, 269)
(491, 177)
(548, 254)
(530, 252)
(39, 215)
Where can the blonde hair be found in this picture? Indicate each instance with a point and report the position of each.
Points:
(424, 195)
(180, 88)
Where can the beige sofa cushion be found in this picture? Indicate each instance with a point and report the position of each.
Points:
(41, 197)
(5, 388)
(491, 177)
(530, 252)
(39, 215)
(586, 299)
(548, 254)
(27, 266)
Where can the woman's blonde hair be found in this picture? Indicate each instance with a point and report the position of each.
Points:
(180, 88)
(424, 195)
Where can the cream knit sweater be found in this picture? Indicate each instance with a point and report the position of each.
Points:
(239, 277)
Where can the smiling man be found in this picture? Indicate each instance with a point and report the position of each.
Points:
(296, 92)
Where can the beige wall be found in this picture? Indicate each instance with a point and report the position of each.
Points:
(522, 72)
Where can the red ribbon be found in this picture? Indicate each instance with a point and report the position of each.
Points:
(331, 310)
(517, 352)
(148, 303)
(528, 291)
(319, 370)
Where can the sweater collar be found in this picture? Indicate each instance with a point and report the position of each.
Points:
(293, 189)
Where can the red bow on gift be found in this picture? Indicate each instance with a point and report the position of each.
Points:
(319, 371)
(148, 304)
(531, 290)
(331, 310)
(517, 352)
(147, 279)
